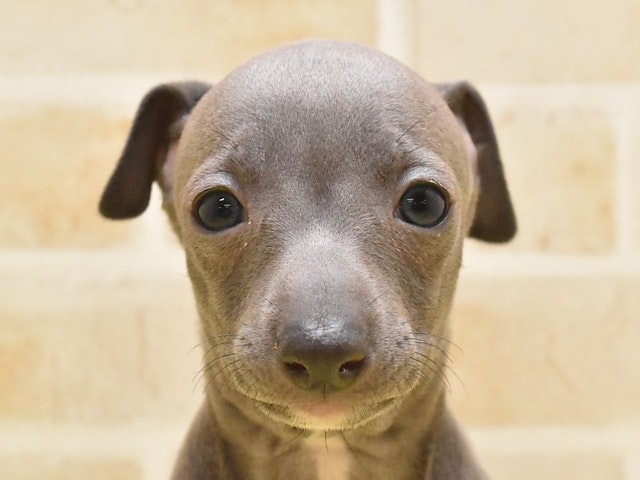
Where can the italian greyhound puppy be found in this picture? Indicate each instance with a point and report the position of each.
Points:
(321, 192)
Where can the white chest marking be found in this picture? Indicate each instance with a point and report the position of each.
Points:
(331, 455)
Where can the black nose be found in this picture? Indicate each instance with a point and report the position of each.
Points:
(323, 359)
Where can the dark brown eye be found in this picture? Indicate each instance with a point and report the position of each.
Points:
(424, 205)
(217, 210)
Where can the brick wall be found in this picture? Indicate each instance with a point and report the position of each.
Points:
(97, 324)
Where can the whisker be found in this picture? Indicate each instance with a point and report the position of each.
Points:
(441, 338)
(438, 367)
(227, 370)
(300, 434)
(435, 369)
(423, 338)
(421, 341)
(351, 450)
(216, 343)
(408, 130)
(374, 300)
(218, 340)
(408, 152)
(420, 373)
(214, 360)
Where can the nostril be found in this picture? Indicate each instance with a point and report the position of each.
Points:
(351, 368)
(296, 369)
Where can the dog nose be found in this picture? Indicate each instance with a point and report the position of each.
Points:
(323, 361)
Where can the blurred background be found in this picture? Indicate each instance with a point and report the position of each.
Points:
(97, 324)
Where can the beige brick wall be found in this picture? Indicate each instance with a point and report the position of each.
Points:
(35, 467)
(97, 323)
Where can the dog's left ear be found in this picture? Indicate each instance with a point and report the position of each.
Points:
(153, 136)
(494, 219)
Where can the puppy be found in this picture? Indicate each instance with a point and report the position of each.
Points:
(321, 192)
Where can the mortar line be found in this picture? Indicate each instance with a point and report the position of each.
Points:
(396, 36)
(623, 119)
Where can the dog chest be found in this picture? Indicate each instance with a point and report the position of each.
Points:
(331, 456)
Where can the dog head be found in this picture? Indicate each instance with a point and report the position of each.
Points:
(321, 192)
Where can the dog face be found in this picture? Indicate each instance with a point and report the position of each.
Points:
(321, 193)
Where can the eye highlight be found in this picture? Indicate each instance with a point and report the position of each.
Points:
(424, 205)
(217, 210)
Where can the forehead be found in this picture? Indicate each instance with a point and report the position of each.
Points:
(341, 110)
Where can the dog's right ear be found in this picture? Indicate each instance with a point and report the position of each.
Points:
(156, 126)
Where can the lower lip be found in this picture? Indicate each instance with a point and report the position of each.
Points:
(324, 409)
(326, 415)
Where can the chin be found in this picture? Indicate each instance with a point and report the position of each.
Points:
(326, 416)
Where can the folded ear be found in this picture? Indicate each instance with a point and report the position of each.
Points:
(155, 127)
(494, 219)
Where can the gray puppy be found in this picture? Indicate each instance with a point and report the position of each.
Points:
(322, 192)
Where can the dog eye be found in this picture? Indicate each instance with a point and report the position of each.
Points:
(424, 205)
(217, 210)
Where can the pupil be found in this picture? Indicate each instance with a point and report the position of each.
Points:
(423, 206)
(421, 202)
(224, 207)
(218, 210)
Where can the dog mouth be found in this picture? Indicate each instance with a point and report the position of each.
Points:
(326, 414)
